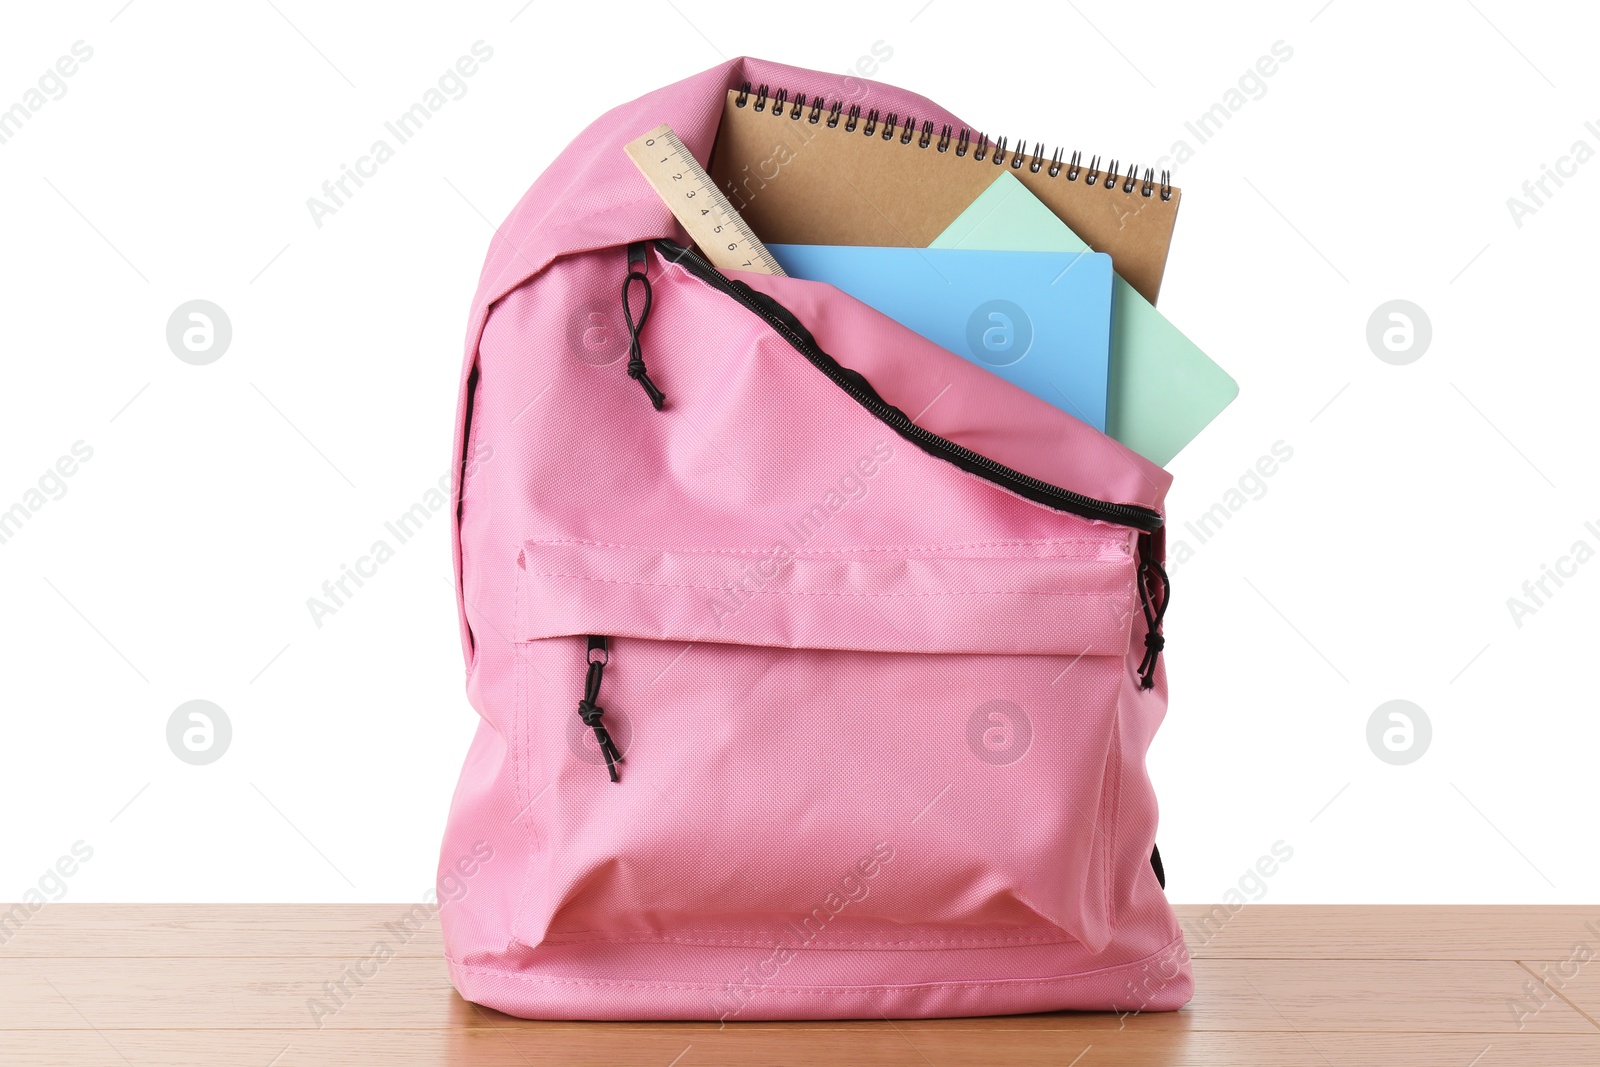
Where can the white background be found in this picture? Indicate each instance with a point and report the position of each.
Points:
(1376, 565)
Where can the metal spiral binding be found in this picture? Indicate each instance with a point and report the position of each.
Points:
(906, 130)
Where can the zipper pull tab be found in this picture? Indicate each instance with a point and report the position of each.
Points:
(1154, 591)
(636, 371)
(591, 713)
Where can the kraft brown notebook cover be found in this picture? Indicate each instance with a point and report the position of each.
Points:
(814, 173)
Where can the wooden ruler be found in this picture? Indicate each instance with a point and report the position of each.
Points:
(699, 205)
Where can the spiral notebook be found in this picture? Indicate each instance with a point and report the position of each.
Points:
(813, 172)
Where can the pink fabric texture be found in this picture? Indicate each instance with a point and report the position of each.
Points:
(882, 728)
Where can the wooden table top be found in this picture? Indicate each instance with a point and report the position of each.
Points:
(181, 984)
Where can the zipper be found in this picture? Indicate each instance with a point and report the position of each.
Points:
(1133, 516)
(1151, 578)
(590, 711)
(638, 263)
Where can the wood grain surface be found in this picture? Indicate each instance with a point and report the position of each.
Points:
(169, 984)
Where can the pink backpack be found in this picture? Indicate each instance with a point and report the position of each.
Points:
(816, 665)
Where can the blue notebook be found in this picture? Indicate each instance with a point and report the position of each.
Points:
(1040, 320)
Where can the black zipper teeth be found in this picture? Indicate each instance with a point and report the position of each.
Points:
(1024, 485)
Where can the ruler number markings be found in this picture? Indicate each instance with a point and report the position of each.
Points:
(694, 200)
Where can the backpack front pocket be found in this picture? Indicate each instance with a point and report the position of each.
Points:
(896, 746)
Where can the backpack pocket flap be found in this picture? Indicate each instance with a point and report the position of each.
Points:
(1069, 596)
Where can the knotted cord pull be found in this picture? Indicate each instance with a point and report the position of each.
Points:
(1155, 590)
(591, 712)
(636, 371)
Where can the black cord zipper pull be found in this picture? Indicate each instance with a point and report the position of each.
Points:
(1154, 591)
(636, 371)
(591, 713)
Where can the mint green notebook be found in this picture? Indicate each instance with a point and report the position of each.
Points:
(1162, 390)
